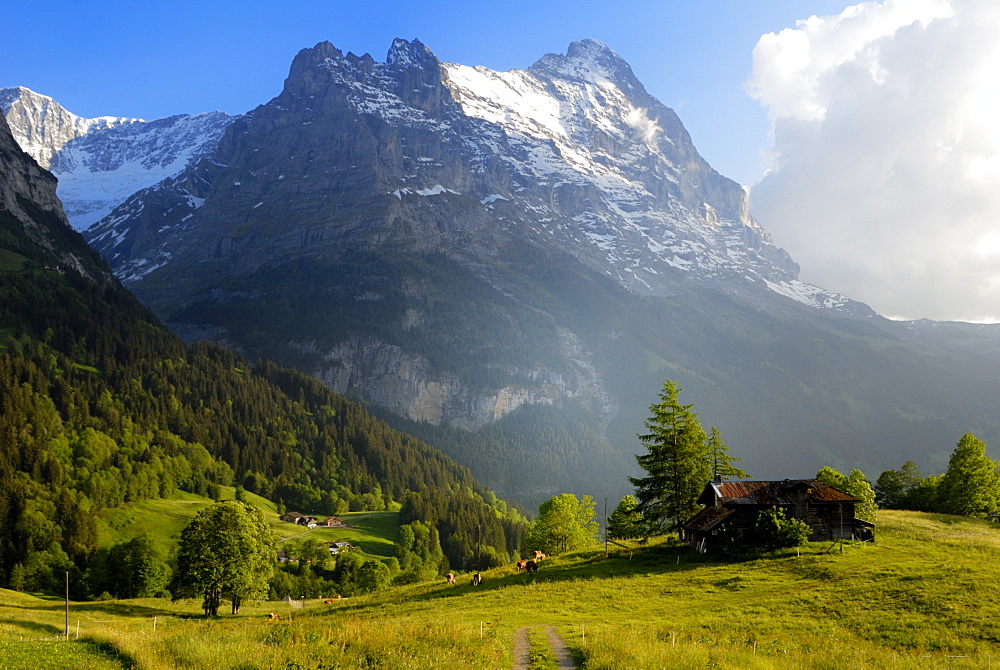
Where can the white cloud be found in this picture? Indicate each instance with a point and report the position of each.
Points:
(885, 181)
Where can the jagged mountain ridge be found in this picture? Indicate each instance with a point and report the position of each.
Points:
(572, 152)
(100, 162)
(429, 237)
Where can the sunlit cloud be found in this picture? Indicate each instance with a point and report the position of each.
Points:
(884, 181)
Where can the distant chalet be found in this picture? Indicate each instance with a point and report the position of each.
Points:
(313, 522)
(732, 508)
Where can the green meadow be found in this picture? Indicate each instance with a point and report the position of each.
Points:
(925, 596)
(163, 519)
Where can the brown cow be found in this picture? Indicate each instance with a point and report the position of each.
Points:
(539, 556)
(531, 566)
(521, 565)
(451, 577)
(273, 617)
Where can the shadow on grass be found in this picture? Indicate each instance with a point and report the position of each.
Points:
(110, 652)
(34, 627)
(117, 608)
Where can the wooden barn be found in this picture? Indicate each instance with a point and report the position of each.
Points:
(733, 507)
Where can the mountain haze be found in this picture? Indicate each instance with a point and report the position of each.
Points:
(514, 261)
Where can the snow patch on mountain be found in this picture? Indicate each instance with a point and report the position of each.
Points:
(810, 295)
(101, 162)
(42, 126)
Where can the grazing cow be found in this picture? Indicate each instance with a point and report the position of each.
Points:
(531, 566)
(539, 556)
(521, 565)
(477, 579)
(273, 617)
(451, 577)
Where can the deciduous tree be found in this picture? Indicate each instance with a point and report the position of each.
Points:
(856, 485)
(564, 523)
(831, 477)
(227, 551)
(894, 488)
(971, 486)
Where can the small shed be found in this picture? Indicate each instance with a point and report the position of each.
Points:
(339, 546)
(733, 507)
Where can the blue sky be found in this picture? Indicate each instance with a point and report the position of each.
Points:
(153, 59)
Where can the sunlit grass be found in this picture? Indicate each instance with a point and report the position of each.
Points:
(927, 595)
(163, 519)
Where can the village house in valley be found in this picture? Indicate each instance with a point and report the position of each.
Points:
(731, 508)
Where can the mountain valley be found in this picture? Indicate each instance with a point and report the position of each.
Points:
(509, 263)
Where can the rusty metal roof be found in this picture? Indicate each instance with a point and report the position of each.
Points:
(772, 492)
(708, 518)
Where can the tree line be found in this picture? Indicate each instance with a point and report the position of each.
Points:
(101, 405)
(969, 487)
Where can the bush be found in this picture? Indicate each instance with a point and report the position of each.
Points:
(773, 530)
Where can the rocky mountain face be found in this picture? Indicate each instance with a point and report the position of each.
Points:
(100, 162)
(28, 202)
(571, 154)
(501, 251)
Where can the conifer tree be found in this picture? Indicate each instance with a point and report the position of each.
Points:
(722, 462)
(676, 462)
(626, 521)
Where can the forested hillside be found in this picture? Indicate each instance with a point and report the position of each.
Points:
(99, 405)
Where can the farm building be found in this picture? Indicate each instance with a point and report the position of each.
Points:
(334, 522)
(732, 507)
(299, 518)
(337, 547)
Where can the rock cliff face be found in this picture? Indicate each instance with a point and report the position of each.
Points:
(100, 162)
(572, 153)
(389, 376)
(28, 199)
(571, 158)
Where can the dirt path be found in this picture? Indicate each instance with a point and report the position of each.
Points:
(521, 651)
(521, 648)
(558, 647)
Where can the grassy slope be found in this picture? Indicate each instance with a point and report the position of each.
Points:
(925, 596)
(164, 519)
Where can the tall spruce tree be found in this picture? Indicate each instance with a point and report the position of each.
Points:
(676, 462)
(721, 460)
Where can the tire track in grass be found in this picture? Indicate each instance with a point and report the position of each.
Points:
(521, 653)
(558, 647)
(521, 646)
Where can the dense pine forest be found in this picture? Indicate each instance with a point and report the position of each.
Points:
(100, 405)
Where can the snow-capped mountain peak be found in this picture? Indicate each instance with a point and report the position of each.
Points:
(102, 161)
(43, 127)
